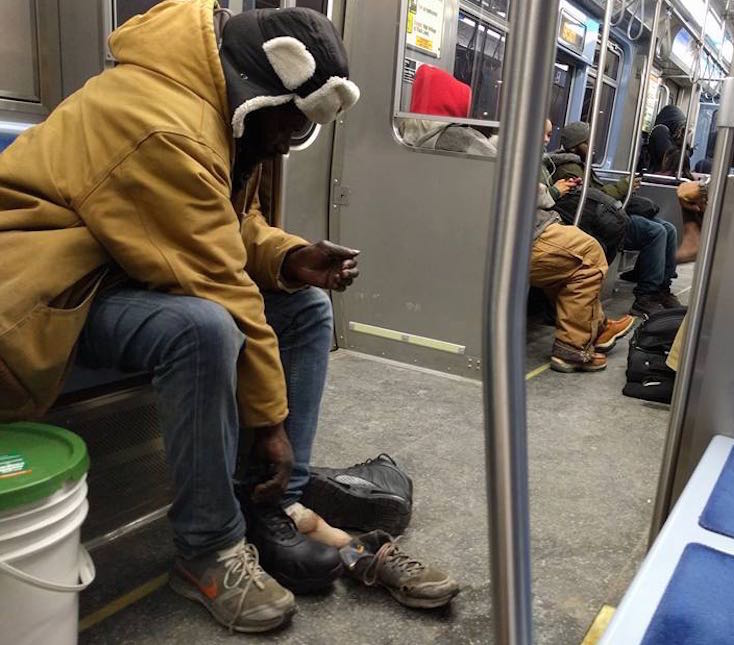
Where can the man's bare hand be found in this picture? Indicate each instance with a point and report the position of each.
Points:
(273, 449)
(323, 264)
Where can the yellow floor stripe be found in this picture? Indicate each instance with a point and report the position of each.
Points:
(537, 371)
(599, 626)
(123, 601)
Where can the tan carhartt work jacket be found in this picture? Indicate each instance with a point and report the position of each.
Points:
(134, 170)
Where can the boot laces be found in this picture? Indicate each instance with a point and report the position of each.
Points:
(389, 555)
(383, 456)
(279, 522)
(242, 566)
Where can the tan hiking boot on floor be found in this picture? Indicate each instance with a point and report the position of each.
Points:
(314, 526)
(234, 588)
(612, 331)
(568, 359)
(376, 559)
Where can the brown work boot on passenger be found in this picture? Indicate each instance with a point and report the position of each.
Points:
(376, 559)
(567, 359)
(235, 589)
(612, 331)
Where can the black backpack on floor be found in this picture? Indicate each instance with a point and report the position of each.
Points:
(648, 377)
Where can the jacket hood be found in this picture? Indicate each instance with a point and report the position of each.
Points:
(438, 92)
(672, 117)
(560, 158)
(176, 39)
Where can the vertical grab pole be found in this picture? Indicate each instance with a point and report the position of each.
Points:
(642, 101)
(719, 174)
(527, 78)
(695, 92)
(596, 102)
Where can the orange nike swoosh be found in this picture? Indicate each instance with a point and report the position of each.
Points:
(210, 590)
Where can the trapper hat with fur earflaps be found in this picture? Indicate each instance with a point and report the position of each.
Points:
(574, 134)
(272, 56)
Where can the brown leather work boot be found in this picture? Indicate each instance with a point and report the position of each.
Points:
(567, 359)
(234, 588)
(612, 331)
(688, 250)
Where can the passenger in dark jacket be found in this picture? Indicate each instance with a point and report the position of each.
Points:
(655, 238)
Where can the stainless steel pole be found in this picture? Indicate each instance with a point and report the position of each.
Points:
(719, 174)
(695, 93)
(642, 101)
(596, 102)
(527, 80)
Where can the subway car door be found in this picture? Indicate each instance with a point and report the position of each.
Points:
(419, 217)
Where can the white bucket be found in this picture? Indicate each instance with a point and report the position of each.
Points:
(41, 565)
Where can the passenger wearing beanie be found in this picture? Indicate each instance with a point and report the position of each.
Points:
(655, 238)
(137, 202)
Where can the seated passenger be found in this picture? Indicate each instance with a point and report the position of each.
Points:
(565, 262)
(436, 92)
(667, 133)
(655, 238)
(130, 233)
(692, 210)
(665, 146)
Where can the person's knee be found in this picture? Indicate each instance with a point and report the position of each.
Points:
(315, 308)
(208, 328)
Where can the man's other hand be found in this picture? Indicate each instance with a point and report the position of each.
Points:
(272, 449)
(323, 264)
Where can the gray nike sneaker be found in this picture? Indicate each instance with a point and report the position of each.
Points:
(376, 559)
(235, 589)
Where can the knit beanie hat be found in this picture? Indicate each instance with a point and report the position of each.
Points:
(272, 56)
(574, 134)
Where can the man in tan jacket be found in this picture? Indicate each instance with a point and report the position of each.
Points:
(130, 234)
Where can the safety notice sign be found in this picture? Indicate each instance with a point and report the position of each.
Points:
(425, 25)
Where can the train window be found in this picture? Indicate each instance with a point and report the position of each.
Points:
(605, 113)
(560, 95)
(19, 74)
(612, 72)
(497, 7)
(468, 47)
(321, 6)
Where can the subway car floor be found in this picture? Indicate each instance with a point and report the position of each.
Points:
(594, 459)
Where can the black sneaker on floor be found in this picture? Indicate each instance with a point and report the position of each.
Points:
(645, 305)
(297, 562)
(376, 494)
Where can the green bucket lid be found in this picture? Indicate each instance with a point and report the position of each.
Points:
(36, 460)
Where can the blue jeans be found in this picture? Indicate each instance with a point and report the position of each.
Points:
(191, 347)
(657, 242)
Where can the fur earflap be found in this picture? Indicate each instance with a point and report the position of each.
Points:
(238, 119)
(335, 96)
(290, 59)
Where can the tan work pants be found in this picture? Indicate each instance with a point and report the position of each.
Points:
(570, 266)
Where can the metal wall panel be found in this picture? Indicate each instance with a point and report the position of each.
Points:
(419, 218)
(710, 404)
(307, 174)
